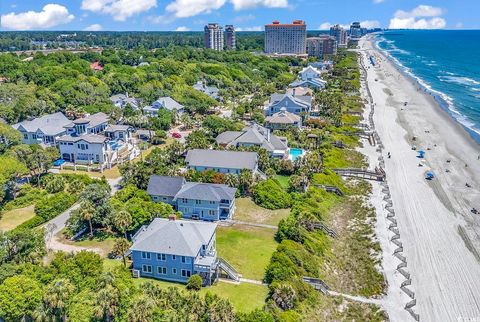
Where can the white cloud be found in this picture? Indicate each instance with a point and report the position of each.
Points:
(182, 28)
(325, 26)
(94, 27)
(120, 10)
(378, 1)
(370, 24)
(254, 28)
(421, 17)
(51, 15)
(248, 4)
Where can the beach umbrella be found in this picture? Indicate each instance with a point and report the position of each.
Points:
(429, 175)
(421, 153)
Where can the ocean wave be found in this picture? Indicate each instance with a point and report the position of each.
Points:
(461, 80)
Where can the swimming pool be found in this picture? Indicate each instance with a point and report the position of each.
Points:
(295, 153)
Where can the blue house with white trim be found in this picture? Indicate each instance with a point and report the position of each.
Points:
(196, 200)
(174, 250)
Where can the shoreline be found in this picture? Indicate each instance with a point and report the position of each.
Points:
(440, 237)
(439, 97)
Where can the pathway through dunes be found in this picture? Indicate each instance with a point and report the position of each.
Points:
(443, 263)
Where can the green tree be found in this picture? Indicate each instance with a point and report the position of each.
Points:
(8, 137)
(87, 211)
(57, 184)
(141, 309)
(107, 303)
(57, 297)
(122, 220)
(19, 296)
(120, 247)
(194, 283)
(198, 139)
(284, 296)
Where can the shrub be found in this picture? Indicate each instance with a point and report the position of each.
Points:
(269, 194)
(194, 283)
(57, 184)
(52, 206)
(31, 223)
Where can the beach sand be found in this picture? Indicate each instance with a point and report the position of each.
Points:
(440, 235)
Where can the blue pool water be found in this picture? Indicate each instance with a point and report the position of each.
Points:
(295, 153)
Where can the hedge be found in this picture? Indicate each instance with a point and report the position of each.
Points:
(53, 205)
(269, 194)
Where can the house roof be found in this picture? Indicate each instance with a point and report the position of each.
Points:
(227, 137)
(300, 91)
(206, 191)
(222, 159)
(174, 237)
(253, 134)
(118, 97)
(283, 117)
(164, 186)
(118, 127)
(93, 120)
(300, 100)
(169, 103)
(90, 138)
(310, 69)
(315, 82)
(50, 124)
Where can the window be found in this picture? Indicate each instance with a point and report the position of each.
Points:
(184, 200)
(174, 271)
(212, 212)
(34, 136)
(174, 257)
(198, 202)
(212, 202)
(145, 255)
(161, 257)
(25, 136)
(147, 268)
(185, 273)
(184, 259)
(162, 270)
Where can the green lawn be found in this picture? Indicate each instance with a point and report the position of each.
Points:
(104, 244)
(283, 180)
(244, 297)
(11, 219)
(247, 210)
(246, 248)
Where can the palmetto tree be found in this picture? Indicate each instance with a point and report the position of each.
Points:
(122, 220)
(141, 309)
(87, 211)
(106, 303)
(120, 247)
(57, 296)
(284, 296)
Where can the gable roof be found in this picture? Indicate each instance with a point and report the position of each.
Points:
(253, 134)
(310, 69)
(298, 100)
(283, 117)
(93, 120)
(118, 127)
(222, 159)
(50, 124)
(315, 82)
(164, 186)
(206, 191)
(89, 138)
(169, 103)
(227, 137)
(174, 237)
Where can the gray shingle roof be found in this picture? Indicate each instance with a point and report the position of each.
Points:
(93, 120)
(174, 237)
(50, 124)
(168, 103)
(164, 186)
(206, 191)
(298, 99)
(90, 138)
(253, 134)
(283, 117)
(227, 137)
(222, 159)
(118, 127)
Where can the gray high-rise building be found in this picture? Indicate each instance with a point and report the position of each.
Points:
(321, 46)
(355, 30)
(230, 42)
(340, 35)
(286, 38)
(213, 36)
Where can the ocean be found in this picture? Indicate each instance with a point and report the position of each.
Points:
(446, 63)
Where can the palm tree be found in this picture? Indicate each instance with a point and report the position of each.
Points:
(122, 220)
(284, 296)
(120, 247)
(141, 309)
(57, 296)
(106, 303)
(87, 211)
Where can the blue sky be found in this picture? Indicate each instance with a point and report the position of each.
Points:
(244, 14)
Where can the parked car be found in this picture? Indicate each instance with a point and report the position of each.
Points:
(176, 135)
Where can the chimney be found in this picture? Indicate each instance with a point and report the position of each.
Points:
(172, 217)
(293, 92)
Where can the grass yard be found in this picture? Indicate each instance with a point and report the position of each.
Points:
(246, 248)
(247, 210)
(105, 245)
(283, 180)
(15, 217)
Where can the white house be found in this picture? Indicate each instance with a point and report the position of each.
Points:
(310, 77)
(167, 103)
(90, 124)
(43, 130)
(122, 100)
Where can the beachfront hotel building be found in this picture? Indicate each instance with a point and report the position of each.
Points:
(286, 38)
(213, 36)
(230, 42)
(320, 46)
(355, 30)
(340, 35)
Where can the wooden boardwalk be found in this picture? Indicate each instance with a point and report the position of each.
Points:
(377, 175)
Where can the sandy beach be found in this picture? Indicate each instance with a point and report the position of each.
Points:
(439, 233)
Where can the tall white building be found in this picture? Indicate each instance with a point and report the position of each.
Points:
(340, 35)
(355, 30)
(286, 38)
(213, 36)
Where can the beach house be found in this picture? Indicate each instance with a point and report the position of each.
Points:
(292, 103)
(122, 100)
(283, 120)
(310, 77)
(90, 124)
(211, 91)
(195, 200)
(222, 161)
(255, 135)
(167, 103)
(44, 130)
(174, 250)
